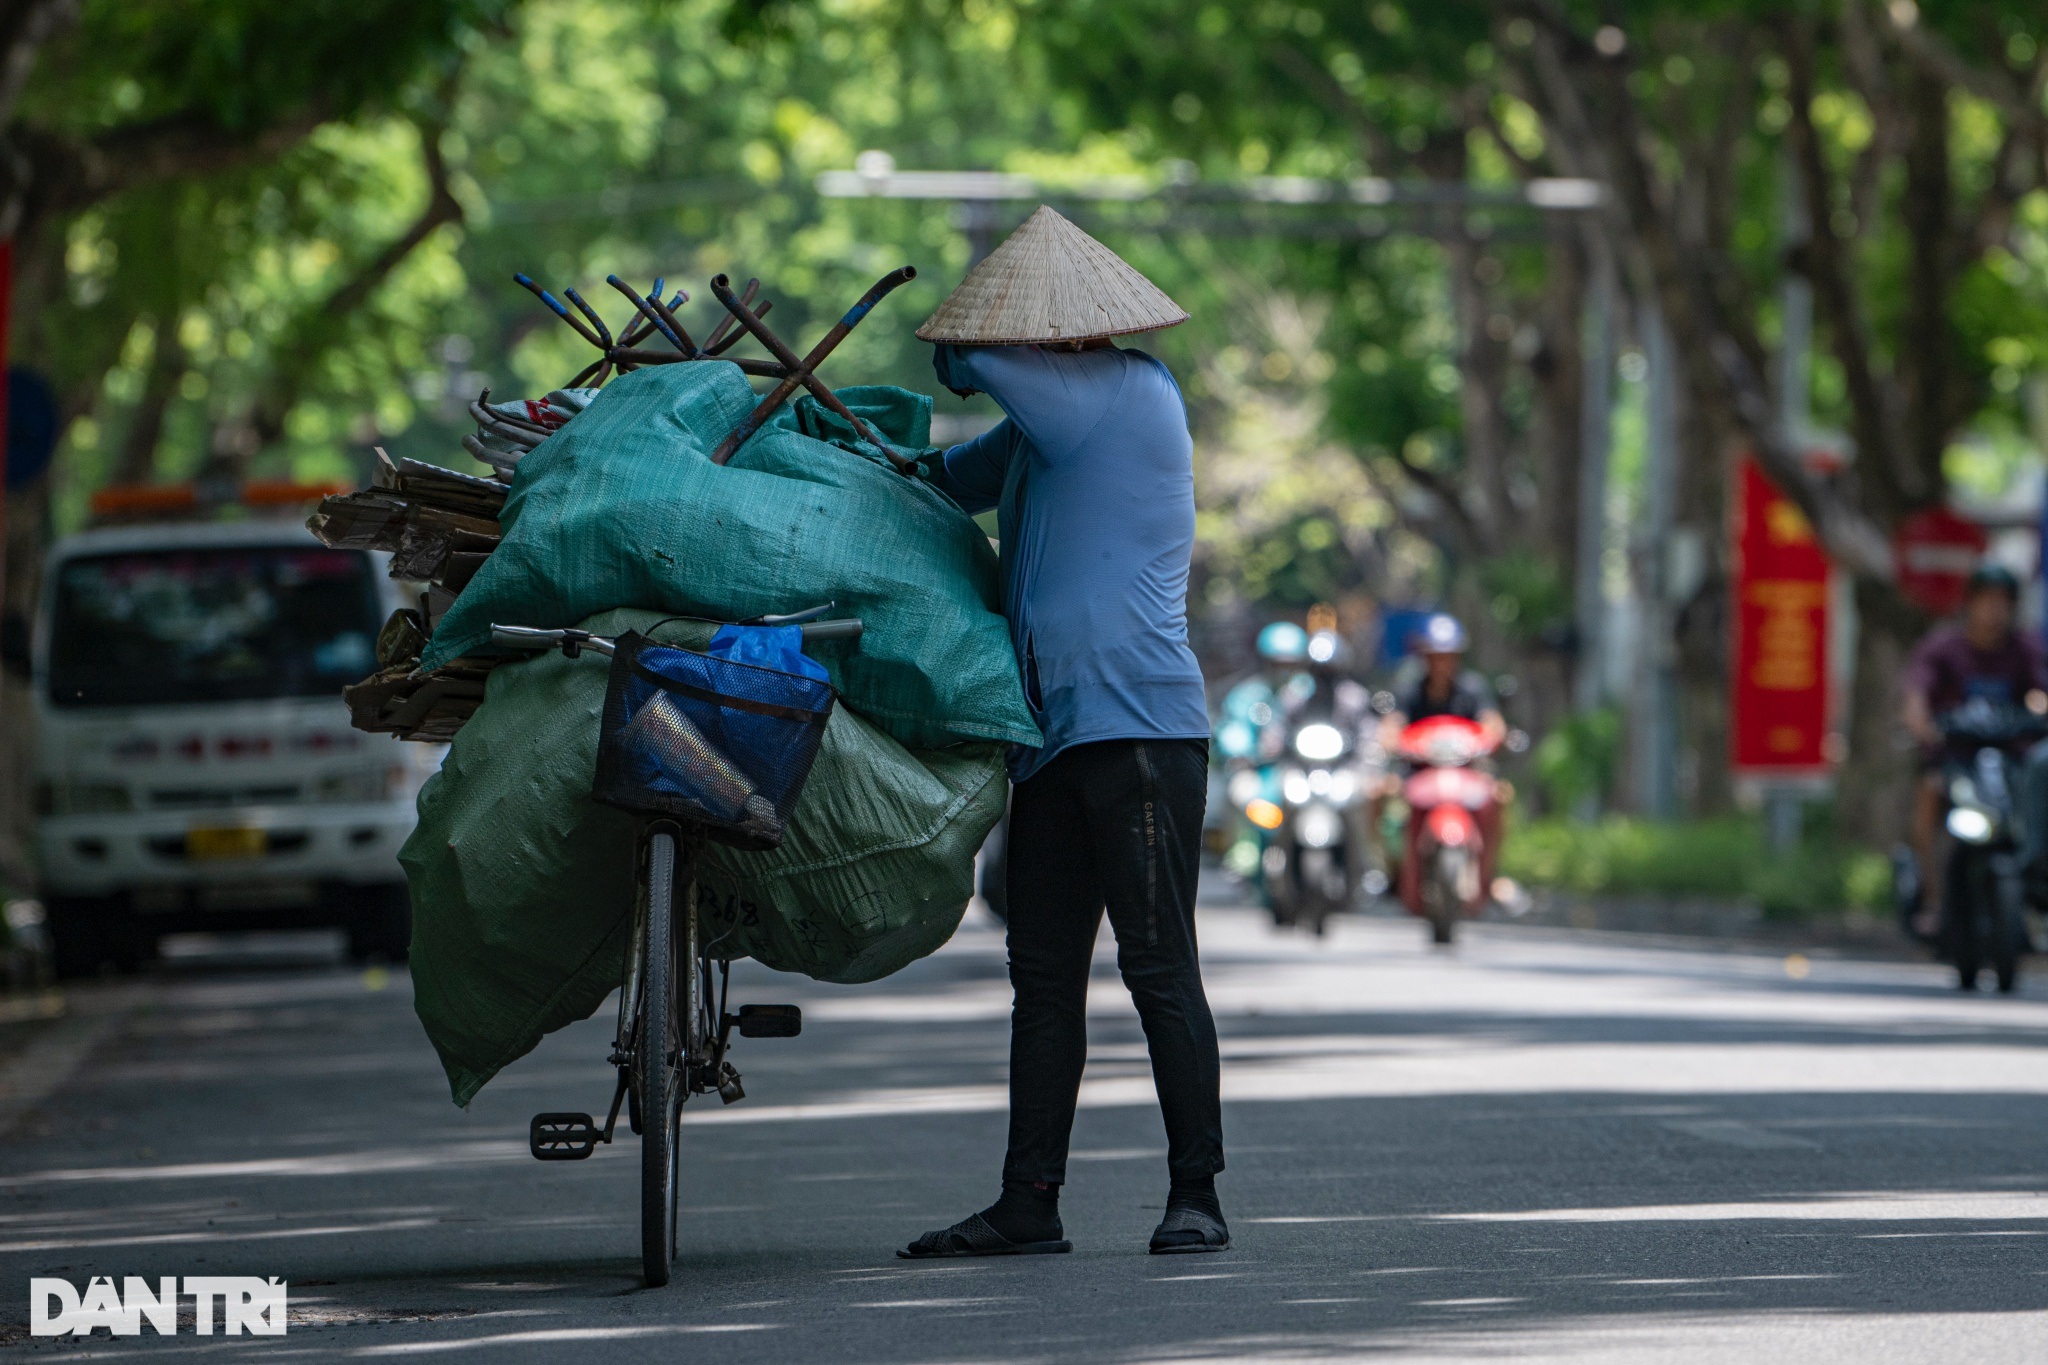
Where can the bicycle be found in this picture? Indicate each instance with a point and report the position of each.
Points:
(666, 988)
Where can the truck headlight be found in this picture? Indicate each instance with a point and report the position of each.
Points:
(83, 798)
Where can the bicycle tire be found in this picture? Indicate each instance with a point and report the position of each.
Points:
(655, 1063)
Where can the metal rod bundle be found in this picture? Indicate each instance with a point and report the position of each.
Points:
(802, 371)
(651, 316)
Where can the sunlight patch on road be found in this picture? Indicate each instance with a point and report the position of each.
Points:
(218, 1235)
(556, 1335)
(380, 1161)
(1341, 1067)
(1866, 1206)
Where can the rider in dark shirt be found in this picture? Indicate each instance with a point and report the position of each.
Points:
(1981, 656)
(1440, 685)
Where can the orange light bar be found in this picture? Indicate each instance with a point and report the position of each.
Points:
(283, 492)
(137, 500)
(144, 500)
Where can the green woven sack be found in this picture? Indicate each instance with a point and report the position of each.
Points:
(522, 886)
(623, 505)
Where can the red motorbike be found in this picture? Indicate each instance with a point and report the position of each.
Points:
(1453, 830)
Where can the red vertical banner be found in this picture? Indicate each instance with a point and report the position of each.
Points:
(1779, 700)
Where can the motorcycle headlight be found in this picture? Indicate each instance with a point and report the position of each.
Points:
(1318, 827)
(1970, 825)
(1294, 786)
(1319, 743)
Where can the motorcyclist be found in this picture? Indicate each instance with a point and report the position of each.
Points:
(1253, 705)
(1441, 685)
(1978, 656)
(1435, 682)
(1326, 688)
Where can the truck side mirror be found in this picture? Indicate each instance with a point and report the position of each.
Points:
(14, 644)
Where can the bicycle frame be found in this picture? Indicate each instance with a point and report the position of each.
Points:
(667, 1042)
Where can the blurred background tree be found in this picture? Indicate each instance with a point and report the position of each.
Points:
(258, 239)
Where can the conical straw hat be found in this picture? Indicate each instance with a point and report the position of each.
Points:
(1049, 282)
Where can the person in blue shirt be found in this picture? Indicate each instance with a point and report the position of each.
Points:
(1091, 475)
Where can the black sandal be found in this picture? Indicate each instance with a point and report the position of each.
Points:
(974, 1237)
(1185, 1231)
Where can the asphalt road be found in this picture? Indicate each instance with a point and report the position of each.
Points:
(1540, 1146)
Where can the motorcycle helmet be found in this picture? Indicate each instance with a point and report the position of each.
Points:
(1283, 642)
(1997, 577)
(1441, 634)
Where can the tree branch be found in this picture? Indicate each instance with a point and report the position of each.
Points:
(1935, 58)
(1873, 408)
(43, 176)
(1429, 481)
(2016, 170)
(316, 328)
(1724, 380)
(25, 25)
(1298, 65)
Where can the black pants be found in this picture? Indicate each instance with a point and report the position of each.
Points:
(1117, 822)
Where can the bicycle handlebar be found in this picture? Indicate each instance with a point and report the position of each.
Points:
(573, 642)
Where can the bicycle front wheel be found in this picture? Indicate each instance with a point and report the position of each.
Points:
(664, 1005)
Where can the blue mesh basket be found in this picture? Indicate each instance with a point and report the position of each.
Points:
(710, 741)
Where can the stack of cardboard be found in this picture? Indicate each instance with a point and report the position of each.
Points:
(438, 526)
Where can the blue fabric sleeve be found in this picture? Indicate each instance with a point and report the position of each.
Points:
(1056, 399)
(972, 473)
(952, 370)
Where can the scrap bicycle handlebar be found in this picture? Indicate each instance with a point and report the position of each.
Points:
(572, 641)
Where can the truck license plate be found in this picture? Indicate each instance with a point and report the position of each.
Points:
(214, 844)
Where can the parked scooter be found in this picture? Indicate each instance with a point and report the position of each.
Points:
(1452, 802)
(1984, 901)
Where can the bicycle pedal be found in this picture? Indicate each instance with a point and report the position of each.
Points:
(770, 1021)
(563, 1137)
(729, 1088)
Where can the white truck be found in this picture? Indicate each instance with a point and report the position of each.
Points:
(195, 765)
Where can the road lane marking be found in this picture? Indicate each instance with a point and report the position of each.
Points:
(1736, 1133)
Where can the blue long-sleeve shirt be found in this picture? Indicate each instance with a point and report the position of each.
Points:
(1092, 475)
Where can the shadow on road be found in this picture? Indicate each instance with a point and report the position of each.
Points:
(1498, 1152)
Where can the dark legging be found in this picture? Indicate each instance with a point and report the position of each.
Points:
(1118, 822)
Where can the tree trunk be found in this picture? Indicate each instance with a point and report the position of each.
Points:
(1874, 791)
(137, 463)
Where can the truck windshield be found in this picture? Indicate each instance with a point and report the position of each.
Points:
(167, 626)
